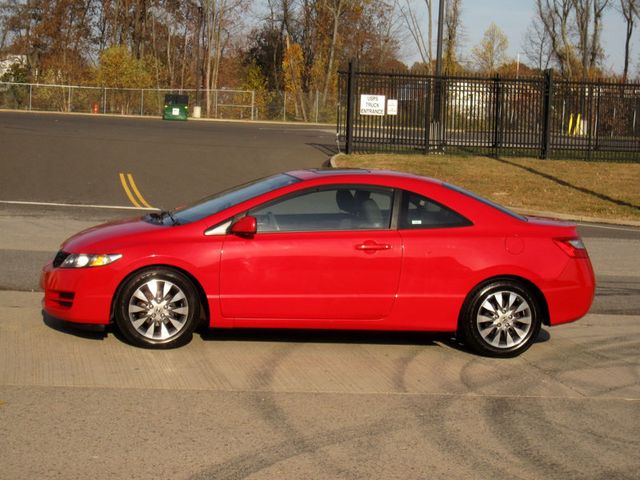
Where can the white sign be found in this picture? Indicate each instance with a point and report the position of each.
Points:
(372, 105)
(392, 107)
(176, 111)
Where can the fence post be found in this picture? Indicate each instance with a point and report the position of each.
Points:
(141, 101)
(284, 107)
(427, 116)
(253, 104)
(350, 86)
(497, 110)
(547, 100)
(104, 100)
(30, 95)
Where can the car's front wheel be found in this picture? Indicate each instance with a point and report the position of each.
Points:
(501, 319)
(157, 308)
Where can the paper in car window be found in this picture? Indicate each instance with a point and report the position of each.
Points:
(416, 222)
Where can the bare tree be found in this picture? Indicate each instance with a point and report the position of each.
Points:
(629, 9)
(537, 47)
(412, 24)
(555, 15)
(491, 52)
(452, 35)
(574, 29)
(588, 21)
(216, 16)
(336, 7)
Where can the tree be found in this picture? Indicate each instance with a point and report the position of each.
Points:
(118, 68)
(292, 66)
(257, 82)
(555, 17)
(452, 34)
(425, 47)
(537, 47)
(630, 10)
(573, 28)
(491, 52)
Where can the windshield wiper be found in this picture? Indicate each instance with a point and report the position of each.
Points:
(168, 213)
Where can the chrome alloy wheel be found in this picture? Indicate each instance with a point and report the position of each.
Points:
(158, 309)
(504, 319)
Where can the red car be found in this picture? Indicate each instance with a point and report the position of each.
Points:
(327, 249)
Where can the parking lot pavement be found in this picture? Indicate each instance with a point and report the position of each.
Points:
(281, 404)
(315, 405)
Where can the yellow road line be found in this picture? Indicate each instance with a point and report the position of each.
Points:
(137, 192)
(128, 192)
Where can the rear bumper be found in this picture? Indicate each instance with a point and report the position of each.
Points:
(572, 294)
(80, 295)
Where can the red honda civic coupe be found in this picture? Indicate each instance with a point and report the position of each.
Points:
(327, 249)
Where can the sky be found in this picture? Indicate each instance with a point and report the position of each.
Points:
(514, 16)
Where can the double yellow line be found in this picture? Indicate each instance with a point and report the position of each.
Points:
(132, 191)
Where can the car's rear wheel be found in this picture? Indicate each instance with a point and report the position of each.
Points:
(501, 319)
(157, 308)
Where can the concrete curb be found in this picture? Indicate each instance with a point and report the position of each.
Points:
(332, 160)
(542, 213)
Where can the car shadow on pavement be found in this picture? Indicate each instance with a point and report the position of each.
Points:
(321, 336)
(452, 342)
(91, 332)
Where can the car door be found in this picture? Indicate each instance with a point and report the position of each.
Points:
(440, 249)
(324, 254)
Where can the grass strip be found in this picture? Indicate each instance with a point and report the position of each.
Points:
(605, 190)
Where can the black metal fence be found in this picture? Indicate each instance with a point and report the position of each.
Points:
(542, 117)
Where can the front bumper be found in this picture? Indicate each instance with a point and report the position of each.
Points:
(78, 295)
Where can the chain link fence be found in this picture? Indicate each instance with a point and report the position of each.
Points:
(221, 103)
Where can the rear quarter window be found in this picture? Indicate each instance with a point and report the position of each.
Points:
(420, 212)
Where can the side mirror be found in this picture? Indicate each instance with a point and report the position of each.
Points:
(245, 227)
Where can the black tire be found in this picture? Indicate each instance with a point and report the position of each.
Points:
(500, 319)
(157, 308)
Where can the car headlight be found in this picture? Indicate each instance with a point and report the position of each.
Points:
(81, 260)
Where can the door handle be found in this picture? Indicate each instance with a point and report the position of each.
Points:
(371, 246)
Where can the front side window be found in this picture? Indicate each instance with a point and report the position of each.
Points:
(328, 209)
(418, 212)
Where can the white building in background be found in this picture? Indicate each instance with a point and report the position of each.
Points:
(11, 60)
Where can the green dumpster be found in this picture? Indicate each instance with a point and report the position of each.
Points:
(176, 107)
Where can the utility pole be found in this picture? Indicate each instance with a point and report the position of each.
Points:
(441, 11)
(437, 101)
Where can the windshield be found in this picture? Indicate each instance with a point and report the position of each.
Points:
(221, 201)
(485, 201)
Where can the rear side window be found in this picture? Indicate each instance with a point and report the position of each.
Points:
(419, 212)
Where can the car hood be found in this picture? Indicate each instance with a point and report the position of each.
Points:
(108, 236)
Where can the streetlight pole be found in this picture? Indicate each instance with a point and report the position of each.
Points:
(437, 104)
(441, 10)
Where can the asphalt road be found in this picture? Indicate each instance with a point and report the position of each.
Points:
(79, 159)
(283, 404)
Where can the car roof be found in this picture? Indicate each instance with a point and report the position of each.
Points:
(314, 173)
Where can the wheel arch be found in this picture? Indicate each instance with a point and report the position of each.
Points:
(528, 284)
(202, 296)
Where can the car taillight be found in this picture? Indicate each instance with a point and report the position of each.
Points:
(572, 246)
